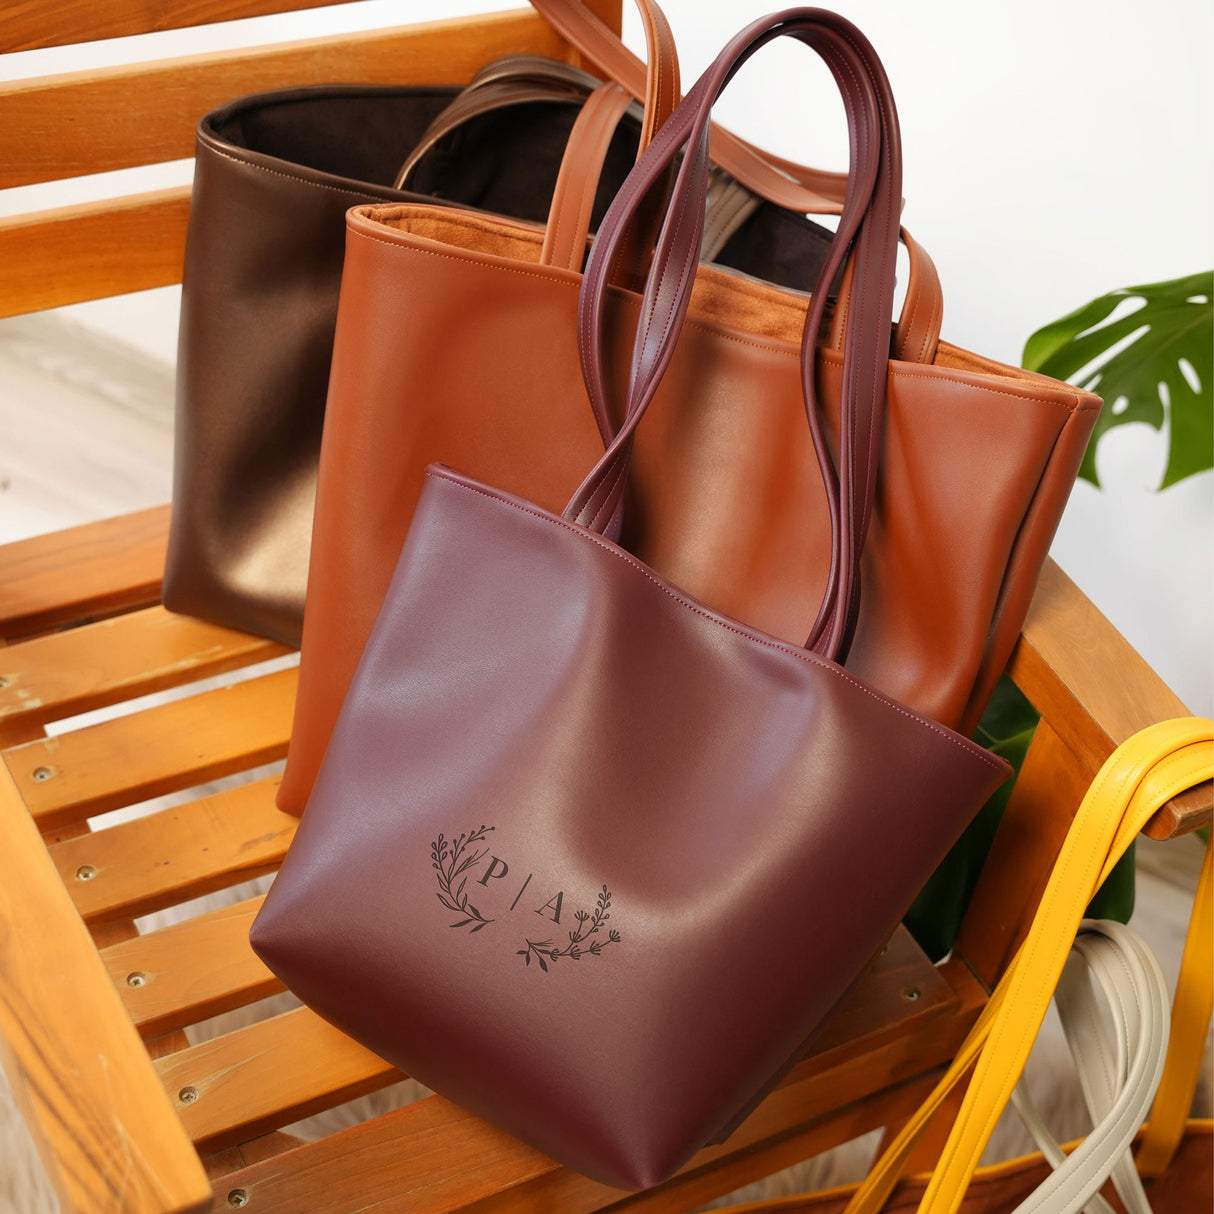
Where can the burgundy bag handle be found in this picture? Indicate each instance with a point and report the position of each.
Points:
(794, 186)
(869, 221)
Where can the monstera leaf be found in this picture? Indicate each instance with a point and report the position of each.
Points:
(1006, 728)
(1154, 361)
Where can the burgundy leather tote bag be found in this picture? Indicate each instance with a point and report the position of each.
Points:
(585, 855)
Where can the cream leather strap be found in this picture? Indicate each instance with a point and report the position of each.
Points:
(1118, 1073)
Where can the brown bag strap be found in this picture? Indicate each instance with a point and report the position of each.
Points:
(520, 78)
(515, 80)
(868, 230)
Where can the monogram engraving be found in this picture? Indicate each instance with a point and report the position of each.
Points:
(456, 860)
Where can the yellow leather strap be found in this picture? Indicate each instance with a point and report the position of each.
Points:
(1191, 1011)
(1139, 777)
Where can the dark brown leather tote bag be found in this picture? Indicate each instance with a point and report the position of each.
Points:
(274, 175)
(585, 855)
(457, 343)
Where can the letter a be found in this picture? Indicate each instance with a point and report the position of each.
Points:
(554, 905)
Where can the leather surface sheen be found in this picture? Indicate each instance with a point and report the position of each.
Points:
(274, 175)
(597, 763)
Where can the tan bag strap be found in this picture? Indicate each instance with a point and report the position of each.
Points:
(520, 78)
(573, 198)
(796, 187)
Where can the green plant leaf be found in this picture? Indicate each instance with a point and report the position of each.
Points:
(1173, 325)
(934, 919)
(935, 916)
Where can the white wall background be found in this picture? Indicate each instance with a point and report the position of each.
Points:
(1054, 150)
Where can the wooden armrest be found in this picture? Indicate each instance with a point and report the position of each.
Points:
(108, 1132)
(1095, 690)
(82, 573)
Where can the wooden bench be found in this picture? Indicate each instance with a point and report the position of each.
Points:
(128, 1114)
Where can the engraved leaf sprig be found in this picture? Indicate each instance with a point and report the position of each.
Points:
(452, 860)
(580, 945)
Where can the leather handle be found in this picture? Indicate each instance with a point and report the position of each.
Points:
(569, 215)
(794, 186)
(868, 219)
(521, 78)
(1191, 1012)
(524, 78)
(1142, 774)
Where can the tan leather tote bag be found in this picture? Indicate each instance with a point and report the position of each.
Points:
(457, 342)
(586, 856)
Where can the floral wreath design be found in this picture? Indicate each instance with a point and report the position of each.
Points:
(577, 948)
(451, 858)
(454, 860)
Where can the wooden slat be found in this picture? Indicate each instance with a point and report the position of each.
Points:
(190, 971)
(162, 749)
(98, 248)
(118, 659)
(146, 113)
(765, 1147)
(456, 1162)
(108, 1136)
(267, 1075)
(313, 1066)
(177, 854)
(1094, 688)
(81, 572)
(267, 1146)
(30, 24)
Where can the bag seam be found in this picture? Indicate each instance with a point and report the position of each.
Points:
(1081, 404)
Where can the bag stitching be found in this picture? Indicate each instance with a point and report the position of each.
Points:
(1075, 403)
(261, 168)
